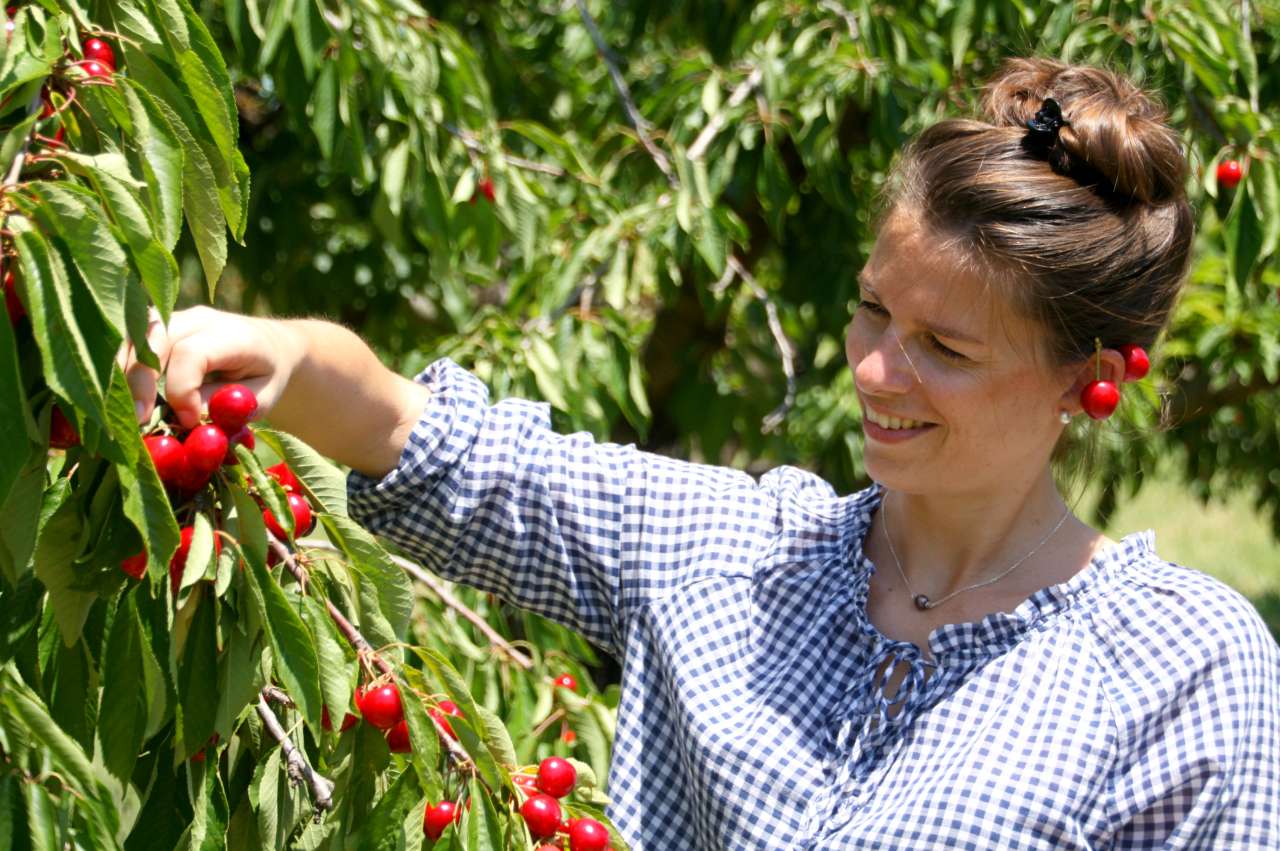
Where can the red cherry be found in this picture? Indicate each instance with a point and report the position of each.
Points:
(566, 681)
(527, 782)
(178, 563)
(303, 520)
(232, 407)
(569, 737)
(587, 834)
(348, 720)
(99, 51)
(243, 436)
(135, 566)
(93, 68)
(542, 814)
(440, 710)
(398, 738)
(438, 817)
(556, 776)
(206, 446)
(1099, 399)
(62, 434)
(282, 474)
(486, 189)
(381, 707)
(1229, 173)
(1136, 362)
(325, 721)
(12, 303)
(168, 456)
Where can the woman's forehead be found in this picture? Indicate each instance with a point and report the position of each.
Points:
(931, 274)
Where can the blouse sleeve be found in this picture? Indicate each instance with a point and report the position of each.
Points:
(1204, 767)
(578, 531)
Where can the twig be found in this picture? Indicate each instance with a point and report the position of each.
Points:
(777, 415)
(1247, 34)
(849, 20)
(359, 642)
(16, 168)
(277, 695)
(628, 102)
(474, 144)
(546, 722)
(299, 769)
(717, 122)
(447, 597)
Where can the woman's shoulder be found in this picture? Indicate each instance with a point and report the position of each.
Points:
(1165, 626)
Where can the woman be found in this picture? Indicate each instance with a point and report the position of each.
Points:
(949, 658)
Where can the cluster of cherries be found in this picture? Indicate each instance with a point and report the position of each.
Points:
(1100, 398)
(186, 466)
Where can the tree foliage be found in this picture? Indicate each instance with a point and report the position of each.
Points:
(650, 215)
(632, 264)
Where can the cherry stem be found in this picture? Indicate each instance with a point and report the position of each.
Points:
(450, 600)
(358, 641)
(1097, 366)
(546, 722)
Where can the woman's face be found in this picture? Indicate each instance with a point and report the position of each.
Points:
(953, 399)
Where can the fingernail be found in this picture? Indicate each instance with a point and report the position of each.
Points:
(139, 410)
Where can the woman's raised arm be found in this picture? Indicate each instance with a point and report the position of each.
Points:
(312, 378)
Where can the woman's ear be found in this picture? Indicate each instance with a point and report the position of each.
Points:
(1112, 369)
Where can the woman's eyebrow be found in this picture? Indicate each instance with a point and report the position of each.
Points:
(934, 328)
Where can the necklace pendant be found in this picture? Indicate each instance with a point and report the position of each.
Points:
(922, 602)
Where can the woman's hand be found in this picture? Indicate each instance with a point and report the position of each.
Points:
(313, 378)
(203, 349)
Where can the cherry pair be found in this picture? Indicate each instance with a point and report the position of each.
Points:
(1100, 398)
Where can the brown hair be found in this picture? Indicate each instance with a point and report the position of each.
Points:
(1092, 235)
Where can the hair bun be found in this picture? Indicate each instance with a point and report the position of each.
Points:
(1116, 136)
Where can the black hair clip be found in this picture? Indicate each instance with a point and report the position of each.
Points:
(1047, 122)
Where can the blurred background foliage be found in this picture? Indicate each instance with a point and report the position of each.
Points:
(682, 196)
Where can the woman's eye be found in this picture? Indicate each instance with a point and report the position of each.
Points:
(952, 354)
(873, 307)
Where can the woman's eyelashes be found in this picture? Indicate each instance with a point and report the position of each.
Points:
(933, 342)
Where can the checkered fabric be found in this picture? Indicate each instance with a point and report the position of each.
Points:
(1136, 705)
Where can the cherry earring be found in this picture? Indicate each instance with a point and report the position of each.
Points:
(1136, 362)
(1099, 398)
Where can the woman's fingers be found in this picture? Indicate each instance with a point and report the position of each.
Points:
(141, 378)
(210, 347)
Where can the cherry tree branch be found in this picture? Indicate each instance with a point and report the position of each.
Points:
(718, 121)
(637, 120)
(359, 642)
(777, 415)
(447, 597)
(473, 144)
(300, 771)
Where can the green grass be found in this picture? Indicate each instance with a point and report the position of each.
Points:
(1226, 539)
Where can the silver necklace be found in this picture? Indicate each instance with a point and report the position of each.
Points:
(922, 602)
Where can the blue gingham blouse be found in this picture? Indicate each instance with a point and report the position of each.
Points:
(1136, 705)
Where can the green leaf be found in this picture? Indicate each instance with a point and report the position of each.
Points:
(326, 485)
(56, 550)
(122, 719)
(157, 151)
(237, 676)
(200, 554)
(16, 422)
(23, 514)
(484, 831)
(1244, 237)
(384, 831)
(197, 679)
(147, 506)
(335, 670)
(155, 265)
(269, 491)
(73, 214)
(73, 369)
(394, 591)
(292, 644)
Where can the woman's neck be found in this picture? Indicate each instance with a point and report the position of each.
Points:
(948, 542)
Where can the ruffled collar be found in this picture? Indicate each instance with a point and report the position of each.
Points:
(999, 631)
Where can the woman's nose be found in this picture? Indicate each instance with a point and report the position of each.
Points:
(884, 366)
